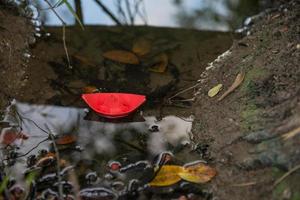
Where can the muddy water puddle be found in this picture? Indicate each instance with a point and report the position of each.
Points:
(97, 160)
(52, 147)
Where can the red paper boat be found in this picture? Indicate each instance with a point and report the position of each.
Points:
(114, 105)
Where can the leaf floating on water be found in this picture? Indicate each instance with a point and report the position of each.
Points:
(167, 175)
(122, 57)
(90, 89)
(67, 139)
(215, 90)
(197, 173)
(237, 82)
(161, 63)
(82, 60)
(9, 136)
(141, 47)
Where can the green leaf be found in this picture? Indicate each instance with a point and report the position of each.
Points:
(73, 13)
(3, 184)
(30, 177)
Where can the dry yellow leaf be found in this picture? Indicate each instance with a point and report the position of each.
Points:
(167, 175)
(141, 47)
(215, 90)
(237, 82)
(122, 57)
(161, 64)
(198, 173)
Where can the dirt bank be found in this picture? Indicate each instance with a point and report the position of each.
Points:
(246, 127)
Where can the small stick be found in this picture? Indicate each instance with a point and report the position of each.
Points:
(108, 12)
(286, 175)
(65, 46)
(131, 18)
(291, 134)
(64, 32)
(244, 184)
(183, 91)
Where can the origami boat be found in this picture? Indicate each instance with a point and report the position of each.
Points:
(114, 105)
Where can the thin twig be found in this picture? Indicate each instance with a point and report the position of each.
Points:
(185, 100)
(54, 11)
(108, 12)
(291, 133)
(244, 184)
(121, 11)
(22, 118)
(286, 175)
(33, 148)
(131, 18)
(183, 91)
(65, 46)
(78, 11)
(63, 30)
(143, 14)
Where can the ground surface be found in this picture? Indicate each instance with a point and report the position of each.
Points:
(264, 107)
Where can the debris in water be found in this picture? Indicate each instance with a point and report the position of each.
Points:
(167, 175)
(91, 178)
(141, 46)
(197, 172)
(161, 63)
(66, 139)
(114, 166)
(122, 57)
(99, 193)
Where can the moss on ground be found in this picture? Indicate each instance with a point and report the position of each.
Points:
(250, 114)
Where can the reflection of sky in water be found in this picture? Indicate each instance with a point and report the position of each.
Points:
(96, 138)
(159, 13)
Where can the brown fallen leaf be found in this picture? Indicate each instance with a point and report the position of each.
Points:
(9, 136)
(197, 173)
(161, 63)
(167, 175)
(82, 60)
(122, 57)
(237, 82)
(141, 47)
(90, 89)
